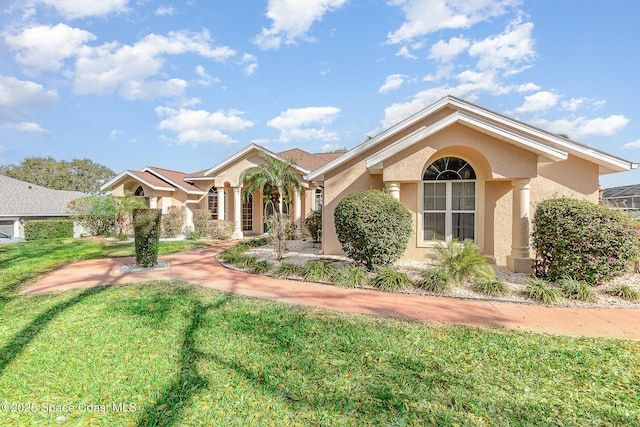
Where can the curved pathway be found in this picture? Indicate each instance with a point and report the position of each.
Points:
(200, 267)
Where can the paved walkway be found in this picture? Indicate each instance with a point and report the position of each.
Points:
(201, 268)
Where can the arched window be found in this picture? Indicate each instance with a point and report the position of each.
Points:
(139, 192)
(449, 200)
(212, 202)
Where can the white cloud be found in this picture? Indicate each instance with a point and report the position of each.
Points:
(394, 81)
(205, 79)
(292, 20)
(580, 127)
(165, 10)
(631, 145)
(104, 69)
(527, 87)
(538, 101)
(405, 53)
(504, 51)
(71, 9)
(445, 51)
(133, 90)
(250, 62)
(44, 47)
(293, 123)
(17, 99)
(423, 17)
(195, 126)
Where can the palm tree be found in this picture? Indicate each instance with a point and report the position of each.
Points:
(272, 174)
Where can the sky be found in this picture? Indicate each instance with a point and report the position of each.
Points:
(183, 85)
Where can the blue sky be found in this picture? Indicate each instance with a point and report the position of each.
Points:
(184, 84)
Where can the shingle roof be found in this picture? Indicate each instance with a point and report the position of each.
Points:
(177, 177)
(623, 191)
(21, 198)
(310, 161)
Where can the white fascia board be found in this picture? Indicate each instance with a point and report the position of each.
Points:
(246, 150)
(377, 160)
(399, 127)
(579, 150)
(137, 178)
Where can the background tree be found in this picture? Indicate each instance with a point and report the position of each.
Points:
(77, 175)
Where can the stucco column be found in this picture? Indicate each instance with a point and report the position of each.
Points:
(237, 213)
(520, 259)
(393, 188)
(153, 202)
(297, 213)
(221, 213)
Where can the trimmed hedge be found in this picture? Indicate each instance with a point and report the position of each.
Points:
(146, 228)
(48, 229)
(173, 220)
(373, 227)
(582, 241)
(200, 219)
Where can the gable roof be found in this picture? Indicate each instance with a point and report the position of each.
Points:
(20, 198)
(245, 151)
(478, 116)
(146, 178)
(310, 161)
(175, 178)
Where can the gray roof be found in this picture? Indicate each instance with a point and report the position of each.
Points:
(623, 191)
(20, 198)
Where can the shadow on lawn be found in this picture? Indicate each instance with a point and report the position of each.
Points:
(14, 347)
(169, 408)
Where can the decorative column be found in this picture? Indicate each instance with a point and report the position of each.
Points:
(237, 213)
(153, 202)
(221, 212)
(393, 188)
(520, 259)
(297, 213)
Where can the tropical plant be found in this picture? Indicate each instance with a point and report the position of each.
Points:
(350, 276)
(389, 279)
(462, 261)
(491, 286)
(288, 269)
(435, 280)
(373, 227)
(318, 271)
(539, 290)
(625, 292)
(576, 289)
(273, 175)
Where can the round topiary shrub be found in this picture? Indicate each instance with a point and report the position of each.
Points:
(582, 241)
(373, 227)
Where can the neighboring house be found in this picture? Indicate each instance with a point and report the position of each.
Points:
(21, 201)
(625, 197)
(461, 170)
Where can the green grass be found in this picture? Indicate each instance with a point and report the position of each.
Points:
(184, 355)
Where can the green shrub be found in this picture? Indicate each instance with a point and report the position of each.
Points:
(539, 290)
(582, 240)
(576, 289)
(173, 221)
(373, 227)
(200, 219)
(288, 269)
(219, 230)
(625, 292)
(491, 286)
(389, 279)
(48, 229)
(349, 276)
(436, 280)
(462, 261)
(313, 223)
(146, 227)
(194, 235)
(318, 271)
(261, 267)
(96, 214)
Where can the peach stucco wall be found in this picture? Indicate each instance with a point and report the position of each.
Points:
(496, 163)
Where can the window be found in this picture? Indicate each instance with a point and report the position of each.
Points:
(139, 192)
(247, 213)
(212, 201)
(317, 201)
(449, 200)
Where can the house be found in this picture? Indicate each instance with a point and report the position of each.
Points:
(462, 171)
(624, 197)
(21, 201)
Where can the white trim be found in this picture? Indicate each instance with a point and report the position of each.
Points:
(377, 160)
(164, 178)
(607, 162)
(137, 178)
(246, 150)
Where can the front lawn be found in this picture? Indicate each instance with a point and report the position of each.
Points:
(170, 353)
